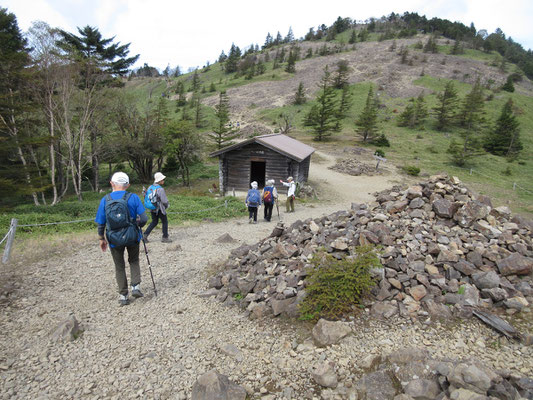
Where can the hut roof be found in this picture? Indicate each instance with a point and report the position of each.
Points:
(278, 142)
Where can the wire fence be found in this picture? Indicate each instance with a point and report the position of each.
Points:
(10, 235)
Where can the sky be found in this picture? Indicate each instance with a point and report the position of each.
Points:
(192, 33)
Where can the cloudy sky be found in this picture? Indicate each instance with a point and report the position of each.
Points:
(188, 34)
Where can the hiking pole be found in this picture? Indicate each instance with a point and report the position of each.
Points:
(148, 260)
(277, 208)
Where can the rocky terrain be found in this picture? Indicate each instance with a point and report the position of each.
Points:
(64, 335)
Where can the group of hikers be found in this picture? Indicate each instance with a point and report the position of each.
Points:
(121, 215)
(268, 197)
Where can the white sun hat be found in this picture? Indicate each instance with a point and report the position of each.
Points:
(158, 177)
(121, 178)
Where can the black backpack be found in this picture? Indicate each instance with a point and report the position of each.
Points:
(121, 229)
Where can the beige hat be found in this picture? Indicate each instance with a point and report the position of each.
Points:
(290, 179)
(254, 185)
(158, 177)
(121, 178)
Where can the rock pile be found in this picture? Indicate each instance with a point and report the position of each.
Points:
(411, 373)
(354, 167)
(445, 252)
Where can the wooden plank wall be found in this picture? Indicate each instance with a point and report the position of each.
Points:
(236, 164)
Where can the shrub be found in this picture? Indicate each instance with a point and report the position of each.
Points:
(411, 170)
(379, 153)
(381, 141)
(335, 286)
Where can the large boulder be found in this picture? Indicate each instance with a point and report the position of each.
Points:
(330, 332)
(215, 386)
(515, 264)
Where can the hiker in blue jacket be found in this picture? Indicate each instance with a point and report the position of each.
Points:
(253, 201)
(119, 183)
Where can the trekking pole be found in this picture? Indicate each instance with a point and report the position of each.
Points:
(277, 208)
(148, 260)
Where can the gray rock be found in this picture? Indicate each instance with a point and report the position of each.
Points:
(67, 331)
(515, 264)
(422, 389)
(470, 377)
(486, 280)
(407, 355)
(281, 306)
(324, 375)
(464, 394)
(444, 208)
(215, 386)
(379, 385)
(330, 332)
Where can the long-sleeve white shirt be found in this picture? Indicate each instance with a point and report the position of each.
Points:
(291, 186)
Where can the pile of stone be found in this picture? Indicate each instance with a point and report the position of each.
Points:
(445, 252)
(354, 167)
(411, 373)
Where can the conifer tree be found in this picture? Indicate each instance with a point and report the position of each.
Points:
(222, 134)
(353, 37)
(268, 41)
(414, 114)
(344, 105)
(367, 123)
(291, 63)
(299, 97)
(341, 75)
(504, 139)
(233, 59)
(290, 36)
(322, 116)
(195, 86)
(471, 116)
(446, 108)
(508, 86)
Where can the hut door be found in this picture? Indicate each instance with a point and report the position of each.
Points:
(257, 172)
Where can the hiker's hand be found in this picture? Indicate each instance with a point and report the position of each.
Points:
(103, 245)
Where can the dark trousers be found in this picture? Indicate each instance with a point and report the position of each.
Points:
(268, 211)
(252, 211)
(120, 267)
(155, 219)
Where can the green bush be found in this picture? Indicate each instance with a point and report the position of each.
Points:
(411, 170)
(335, 286)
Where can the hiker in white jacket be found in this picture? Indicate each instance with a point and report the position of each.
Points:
(290, 193)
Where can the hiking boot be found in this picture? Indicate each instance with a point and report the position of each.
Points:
(166, 240)
(251, 221)
(136, 291)
(123, 300)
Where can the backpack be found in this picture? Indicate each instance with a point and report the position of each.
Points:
(121, 230)
(150, 198)
(267, 195)
(254, 198)
(297, 189)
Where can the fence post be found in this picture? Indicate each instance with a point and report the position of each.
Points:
(514, 185)
(470, 171)
(226, 203)
(10, 239)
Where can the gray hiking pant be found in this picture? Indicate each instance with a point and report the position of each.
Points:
(120, 267)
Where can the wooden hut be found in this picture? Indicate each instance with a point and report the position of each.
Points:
(274, 156)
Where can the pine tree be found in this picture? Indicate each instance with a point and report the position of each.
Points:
(299, 97)
(367, 122)
(344, 105)
(233, 59)
(447, 106)
(290, 36)
(471, 116)
(341, 76)
(508, 86)
(291, 63)
(504, 139)
(195, 86)
(268, 41)
(182, 96)
(322, 116)
(415, 113)
(222, 135)
(353, 37)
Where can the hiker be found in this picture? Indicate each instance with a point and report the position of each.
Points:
(126, 236)
(289, 205)
(158, 204)
(253, 201)
(269, 196)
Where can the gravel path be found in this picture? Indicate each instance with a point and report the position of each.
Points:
(158, 346)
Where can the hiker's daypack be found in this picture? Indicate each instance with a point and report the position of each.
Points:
(297, 189)
(267, 194)
(150, 198)
(121, 229)
(254, 198)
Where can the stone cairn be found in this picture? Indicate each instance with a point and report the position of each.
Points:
(445, 252)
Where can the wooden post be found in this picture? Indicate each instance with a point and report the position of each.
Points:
(10, 239)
